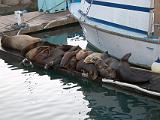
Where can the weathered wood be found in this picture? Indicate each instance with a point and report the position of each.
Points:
(157, 17)
(36, 21)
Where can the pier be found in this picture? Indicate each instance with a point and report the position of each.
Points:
(35, 21)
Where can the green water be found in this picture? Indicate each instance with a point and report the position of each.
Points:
(37, 94)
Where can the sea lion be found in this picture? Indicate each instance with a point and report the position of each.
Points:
(83, 54)
(55, 59)
(67, 56)
(34, 45)
(18, 42)
(47, 56)
(74, 48)
(65, 47)
(88, 68)
(71, 65)
(112, 62)
(35, 51)
(59, 56)
(92, 58)
(40, 54)
(125, 73)
(104, 70)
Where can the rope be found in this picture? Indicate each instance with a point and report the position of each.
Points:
(88, 9)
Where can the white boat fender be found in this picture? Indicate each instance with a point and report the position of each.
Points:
(155, 67)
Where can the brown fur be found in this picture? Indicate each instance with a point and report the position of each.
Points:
(105, 70)
(46, 56)
(34, 45)
(82, 54)
(126, 74)
(67, 56)
(88, 68)
(18, 42)
(71, 65)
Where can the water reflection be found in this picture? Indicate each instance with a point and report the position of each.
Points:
(110, 103)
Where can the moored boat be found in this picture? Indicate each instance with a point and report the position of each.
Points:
(120, 27)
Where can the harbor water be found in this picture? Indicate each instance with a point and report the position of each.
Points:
(32, 93)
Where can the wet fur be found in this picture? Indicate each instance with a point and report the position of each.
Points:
(88, 68)
(105, 70)
(126, 74)
(67, 56)
(18, 42)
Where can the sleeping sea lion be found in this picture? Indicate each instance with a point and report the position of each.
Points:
(125, 74)
(92, 58)
(72, 63)
(65, 47)
(74, 48)
(67, 56)
(88, 68)
(104, 70)
(40, 54)
(55, 59)
(83, 54)
(35, 51)
(112, 62)
(34, 45)
(18, 42)
(47, 56)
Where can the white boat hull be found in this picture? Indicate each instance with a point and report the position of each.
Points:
(115, 39)
(143, 53)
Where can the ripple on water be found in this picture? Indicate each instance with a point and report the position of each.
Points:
(30, 96)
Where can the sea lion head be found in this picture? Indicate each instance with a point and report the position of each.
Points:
(82, 54)
(105, 70)
(5, 41)
(92, 58)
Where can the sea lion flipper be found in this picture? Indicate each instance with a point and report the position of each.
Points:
(126, 57)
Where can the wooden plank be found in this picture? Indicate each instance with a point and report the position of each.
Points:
(36, 21)
(157, 17)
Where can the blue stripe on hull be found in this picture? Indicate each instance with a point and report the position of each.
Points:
(114, 24)
(122, 6)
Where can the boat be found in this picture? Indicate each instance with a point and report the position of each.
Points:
(121, 26)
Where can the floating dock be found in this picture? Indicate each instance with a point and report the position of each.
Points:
(36, 21)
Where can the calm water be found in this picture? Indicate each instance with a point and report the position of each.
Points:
(37, 94)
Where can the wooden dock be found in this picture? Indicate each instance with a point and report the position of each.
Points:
(35, 21)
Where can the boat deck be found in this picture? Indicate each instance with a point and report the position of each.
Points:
(35, 21)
